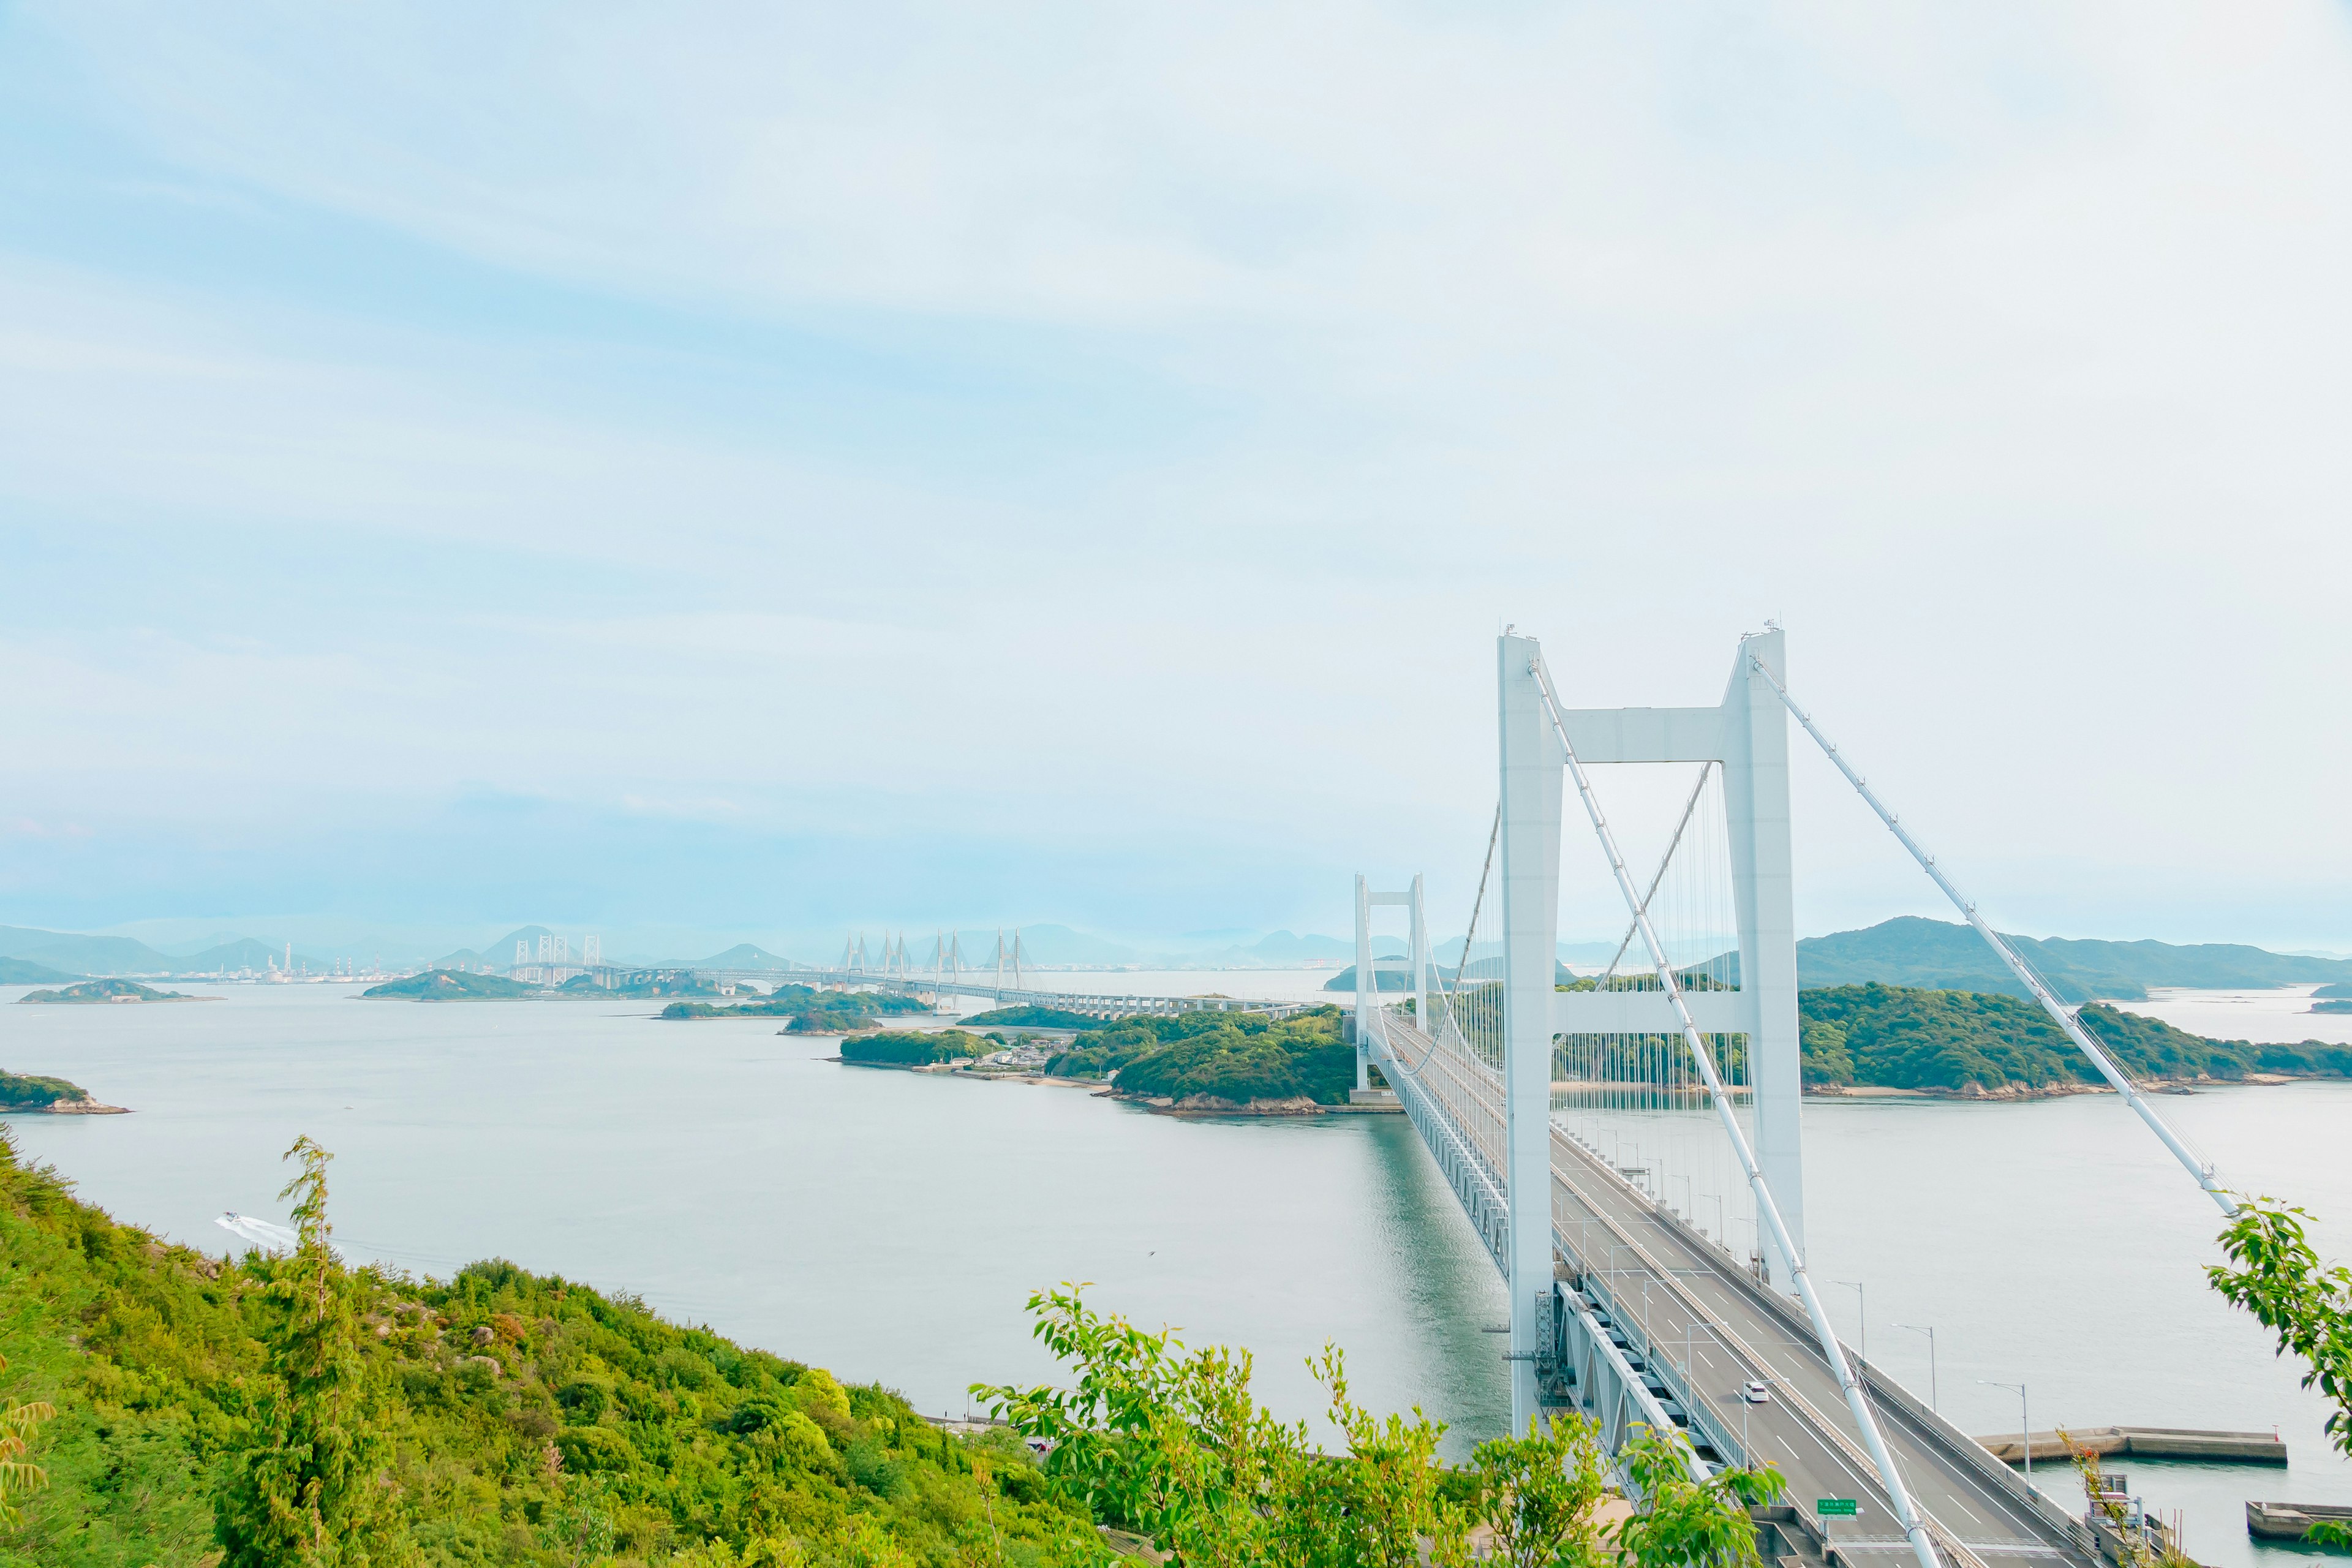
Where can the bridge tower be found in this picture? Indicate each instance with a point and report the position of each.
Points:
(1747, 735)
(1368, 968)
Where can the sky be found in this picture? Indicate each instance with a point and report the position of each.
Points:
(758, 471)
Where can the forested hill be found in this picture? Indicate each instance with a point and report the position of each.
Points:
(515, 1418)
(1943, 955)
(1970, 1043)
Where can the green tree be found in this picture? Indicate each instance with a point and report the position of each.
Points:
(19, 1477)
(311, 1491)
(1174, 1447)
(1171, 1445)
(1685, 1523)
(1537, 1493)
(2306, 1303)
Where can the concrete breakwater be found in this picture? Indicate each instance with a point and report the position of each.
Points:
(2143, 1443)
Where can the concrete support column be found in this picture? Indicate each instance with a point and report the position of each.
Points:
(1531, 766)
(1756, 806)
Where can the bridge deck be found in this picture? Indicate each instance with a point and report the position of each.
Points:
(1693, 1313)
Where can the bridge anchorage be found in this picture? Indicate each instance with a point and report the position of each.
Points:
(1529, 1092)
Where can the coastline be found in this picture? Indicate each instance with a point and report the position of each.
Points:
(1202, 1105)
(2008, 1093)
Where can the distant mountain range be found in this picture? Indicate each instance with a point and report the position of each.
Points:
(1948, 956)
(1911, 951)
(1944, 955)
(70, 953)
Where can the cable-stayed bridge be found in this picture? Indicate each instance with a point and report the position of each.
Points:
(1624, 1304)
(1001, 979)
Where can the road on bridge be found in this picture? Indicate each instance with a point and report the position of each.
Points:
(1683, 1291)
(1697, 1310)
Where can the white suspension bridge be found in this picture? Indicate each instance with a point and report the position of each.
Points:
(1624, 1304)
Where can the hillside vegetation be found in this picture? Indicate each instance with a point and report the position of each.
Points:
(1031, 1017)
(30, 1091)
(1233, 1056)
(96, 992)
(500, 1418)
(914, 1048)
(449, 985)
(1913, 1037)
(806, 1010)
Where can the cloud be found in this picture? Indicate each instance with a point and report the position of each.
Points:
(1069, 426)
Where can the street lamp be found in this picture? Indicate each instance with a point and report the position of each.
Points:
(1861, 1312)
(2024, 1414)
(1916, 1328)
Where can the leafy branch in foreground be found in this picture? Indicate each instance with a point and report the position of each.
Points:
(1171, 1443)
(2305, 1304)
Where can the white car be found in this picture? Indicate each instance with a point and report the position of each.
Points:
(1755, 1393)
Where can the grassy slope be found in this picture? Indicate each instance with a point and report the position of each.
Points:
(677, 1436)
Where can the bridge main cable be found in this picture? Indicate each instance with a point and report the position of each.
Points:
(2201, 1169)
(1857, 1398)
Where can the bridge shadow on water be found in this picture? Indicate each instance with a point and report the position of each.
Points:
(1446, 1286)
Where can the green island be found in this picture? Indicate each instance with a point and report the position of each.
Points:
(1968, 1044)
(1029, 1015)
(31, 1092)
(2338, 1004)
(470, 985)
(1971, 1043)
(807, 1010)
(1219, 1061)
(104, 991)
(650, 982)
(449, 985)
(914, 1048)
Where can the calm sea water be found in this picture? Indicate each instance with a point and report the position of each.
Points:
(889, 1226)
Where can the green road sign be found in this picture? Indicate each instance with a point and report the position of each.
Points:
(1837, 1507)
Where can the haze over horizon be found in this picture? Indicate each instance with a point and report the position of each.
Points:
(771, 473)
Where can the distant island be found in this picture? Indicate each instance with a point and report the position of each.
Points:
(914, 1048)
(106, 991)
(469, 985)
(449, 985)
(1248, 1063)
(1031, 1017)
(806, 1010)
(1974, 1044)
(54, 1096)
